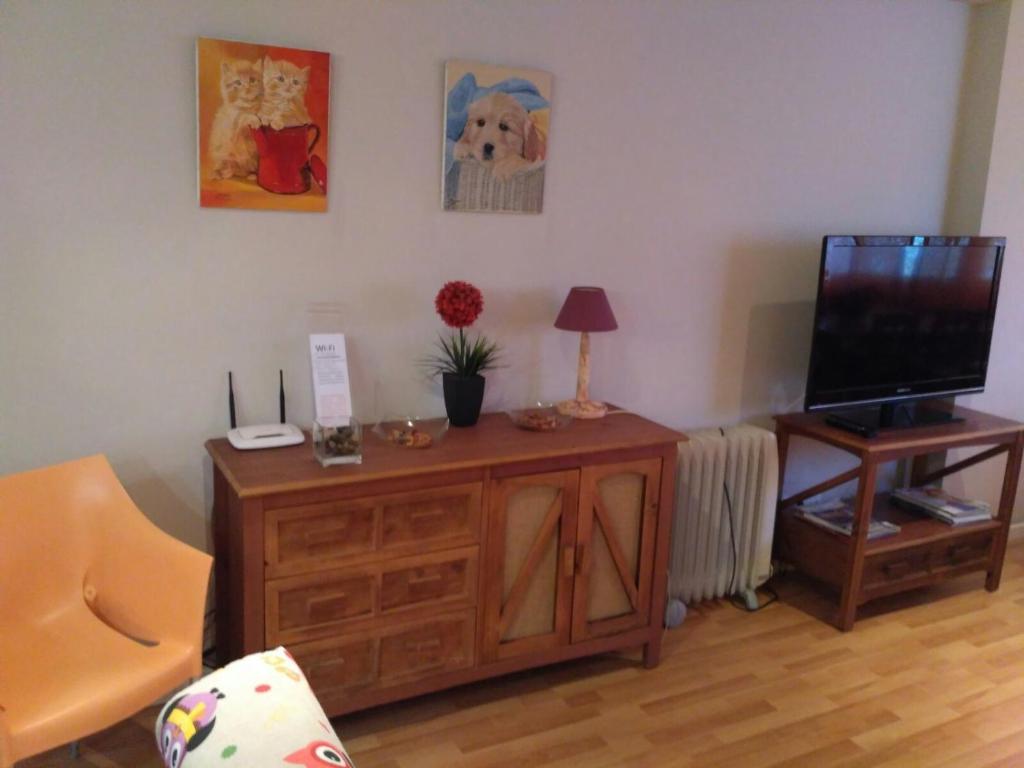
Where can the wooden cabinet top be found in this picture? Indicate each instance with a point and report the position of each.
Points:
(975, 428)
(493, 441)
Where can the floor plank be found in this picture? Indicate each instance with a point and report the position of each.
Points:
(932, 678)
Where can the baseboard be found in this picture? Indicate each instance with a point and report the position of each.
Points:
(1017, 531)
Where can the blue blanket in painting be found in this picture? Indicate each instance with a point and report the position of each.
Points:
(466, 91)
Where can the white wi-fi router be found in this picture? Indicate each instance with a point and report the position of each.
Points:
(262, 435)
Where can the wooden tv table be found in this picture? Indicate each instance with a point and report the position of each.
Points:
(925, 550)
(494, 550)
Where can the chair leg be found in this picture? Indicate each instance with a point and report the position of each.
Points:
(75, 749)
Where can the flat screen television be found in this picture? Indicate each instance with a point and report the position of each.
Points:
(899, 320)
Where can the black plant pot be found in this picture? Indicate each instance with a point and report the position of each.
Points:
(463, 396)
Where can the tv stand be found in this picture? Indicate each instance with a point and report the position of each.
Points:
(867, 422)
(925, 550)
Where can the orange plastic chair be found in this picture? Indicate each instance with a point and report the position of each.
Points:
(101, 613)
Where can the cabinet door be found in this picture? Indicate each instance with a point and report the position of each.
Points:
(530, 563)
(615, 550)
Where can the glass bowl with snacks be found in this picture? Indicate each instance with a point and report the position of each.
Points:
(412, 432)
(339, 441)
(539, 417)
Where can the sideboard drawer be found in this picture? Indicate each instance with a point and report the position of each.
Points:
(317, 537)
(342, 665)
(436, 646)
(443, 514)
(430, 579)
(321, 604)
(339, 668)
(325, 602)
(320, 533)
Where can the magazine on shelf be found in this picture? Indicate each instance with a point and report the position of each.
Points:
(942, 505)
(838, 515)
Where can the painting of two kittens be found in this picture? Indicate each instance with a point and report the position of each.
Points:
(246, 90)
(254, 93)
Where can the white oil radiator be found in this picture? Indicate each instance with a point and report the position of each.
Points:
(725, 514)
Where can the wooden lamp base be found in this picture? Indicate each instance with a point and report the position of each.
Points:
(582, 409)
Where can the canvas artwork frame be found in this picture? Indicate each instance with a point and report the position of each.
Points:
(496, 125)
(263, 126)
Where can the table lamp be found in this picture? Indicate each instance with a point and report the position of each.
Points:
(586, 310)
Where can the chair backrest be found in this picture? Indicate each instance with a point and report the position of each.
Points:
(52, 526)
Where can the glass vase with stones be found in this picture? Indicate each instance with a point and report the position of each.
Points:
(338, 441)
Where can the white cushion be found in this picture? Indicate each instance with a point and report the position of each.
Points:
(257, 711)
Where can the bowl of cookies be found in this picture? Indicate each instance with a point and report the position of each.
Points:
(539, 417)
(412, 432)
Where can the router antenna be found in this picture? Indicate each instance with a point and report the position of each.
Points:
(280, 392)
(231, 401)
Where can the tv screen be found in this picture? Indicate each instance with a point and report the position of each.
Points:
(901, 318)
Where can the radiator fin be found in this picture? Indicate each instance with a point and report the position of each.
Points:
(744, 460)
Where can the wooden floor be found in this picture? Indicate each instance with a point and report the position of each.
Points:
(921, 681)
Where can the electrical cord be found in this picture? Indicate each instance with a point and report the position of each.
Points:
(732, 532)
(774, 596)
(209, 653)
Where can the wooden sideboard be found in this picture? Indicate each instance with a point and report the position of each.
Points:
(495, 550)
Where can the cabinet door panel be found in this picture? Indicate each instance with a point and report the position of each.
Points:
(530, 563)
(615, 549)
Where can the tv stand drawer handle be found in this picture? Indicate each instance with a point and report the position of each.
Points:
(896, 569)
(958, 552)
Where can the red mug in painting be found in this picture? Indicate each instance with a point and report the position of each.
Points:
(285, 159)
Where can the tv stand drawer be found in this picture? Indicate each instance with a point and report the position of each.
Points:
(964, 550)
(910, 567)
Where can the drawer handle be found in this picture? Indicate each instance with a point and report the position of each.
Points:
(316, 602)
(424, 579)
(336, 662)
(420, 514)
(423, 645)
(960, 551)
(335, 532)
(897, 569)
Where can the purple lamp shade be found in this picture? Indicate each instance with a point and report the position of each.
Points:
(586, 309)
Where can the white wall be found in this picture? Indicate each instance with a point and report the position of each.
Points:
(699, 151)
(1003, 214)
(979, 99)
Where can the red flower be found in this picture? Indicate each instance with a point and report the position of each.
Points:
(459, 303)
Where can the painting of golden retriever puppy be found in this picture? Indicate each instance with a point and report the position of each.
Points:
(499, 131)
(496, 138)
